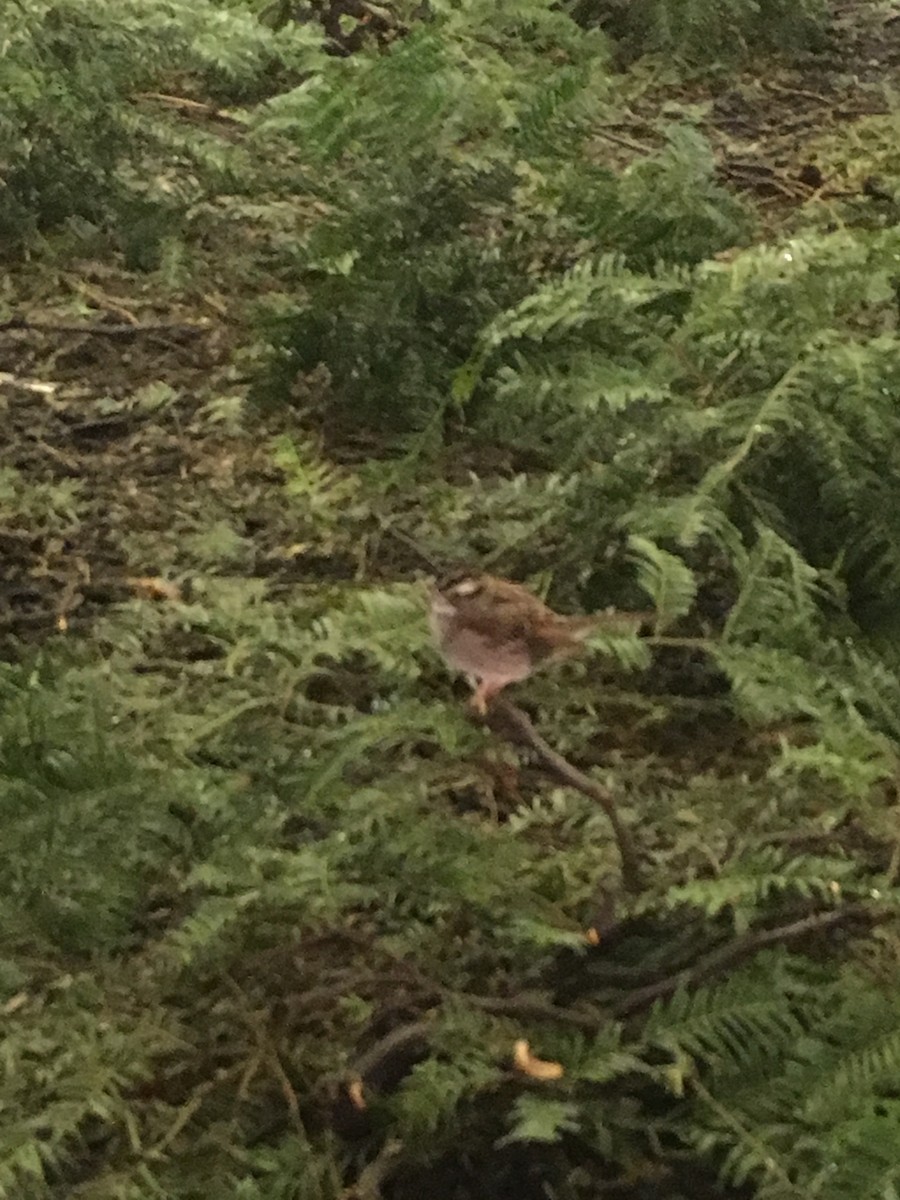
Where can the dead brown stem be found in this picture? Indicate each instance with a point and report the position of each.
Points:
(509, 721)
(742, 947)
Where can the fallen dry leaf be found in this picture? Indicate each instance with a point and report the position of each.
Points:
(152, 587)
(356, 1094)
(535, 1068)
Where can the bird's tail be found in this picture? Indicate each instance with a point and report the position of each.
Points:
(613, 621)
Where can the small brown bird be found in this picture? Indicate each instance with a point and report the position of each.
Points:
(498, 632)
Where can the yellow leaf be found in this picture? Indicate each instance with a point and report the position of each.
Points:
(534, 1068)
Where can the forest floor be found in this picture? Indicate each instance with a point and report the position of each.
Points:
(124, 390)
(137, 460)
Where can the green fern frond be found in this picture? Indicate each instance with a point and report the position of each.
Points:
(859, 1061)
(685, 520)
(317, 485)
(665, 578)
(589, 292)
(728, 1026)
(629, 651)
(778, 593)
(541, 1119)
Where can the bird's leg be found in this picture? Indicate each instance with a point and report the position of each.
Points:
(483, 693)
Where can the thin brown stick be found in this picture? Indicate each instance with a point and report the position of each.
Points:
(368, 1185)
(532, 1008)
(791, 91)
(399, 1041)
(182, 1118)
(186, 105)
(505, 718)
(178, 101)
(626, 143)
(268, 1052)
(535, 1008)
(108, 329)
(42, 387)
(725, 956)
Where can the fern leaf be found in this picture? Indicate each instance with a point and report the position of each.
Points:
(666, 579)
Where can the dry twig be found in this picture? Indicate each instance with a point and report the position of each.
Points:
(742, 947)
(368, 1185)
(106, 329)
(508, 720)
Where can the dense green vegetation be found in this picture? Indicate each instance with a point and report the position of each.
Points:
(274, 912)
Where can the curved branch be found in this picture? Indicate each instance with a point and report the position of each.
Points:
(726, 956)
(369, 1182)
(509, 721)
(537, 1008)
(393, 1052)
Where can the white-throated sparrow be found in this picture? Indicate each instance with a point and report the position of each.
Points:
(497, 632)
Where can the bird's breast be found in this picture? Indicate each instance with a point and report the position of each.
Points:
(477, 654)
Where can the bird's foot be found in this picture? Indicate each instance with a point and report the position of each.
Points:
(481, 697)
